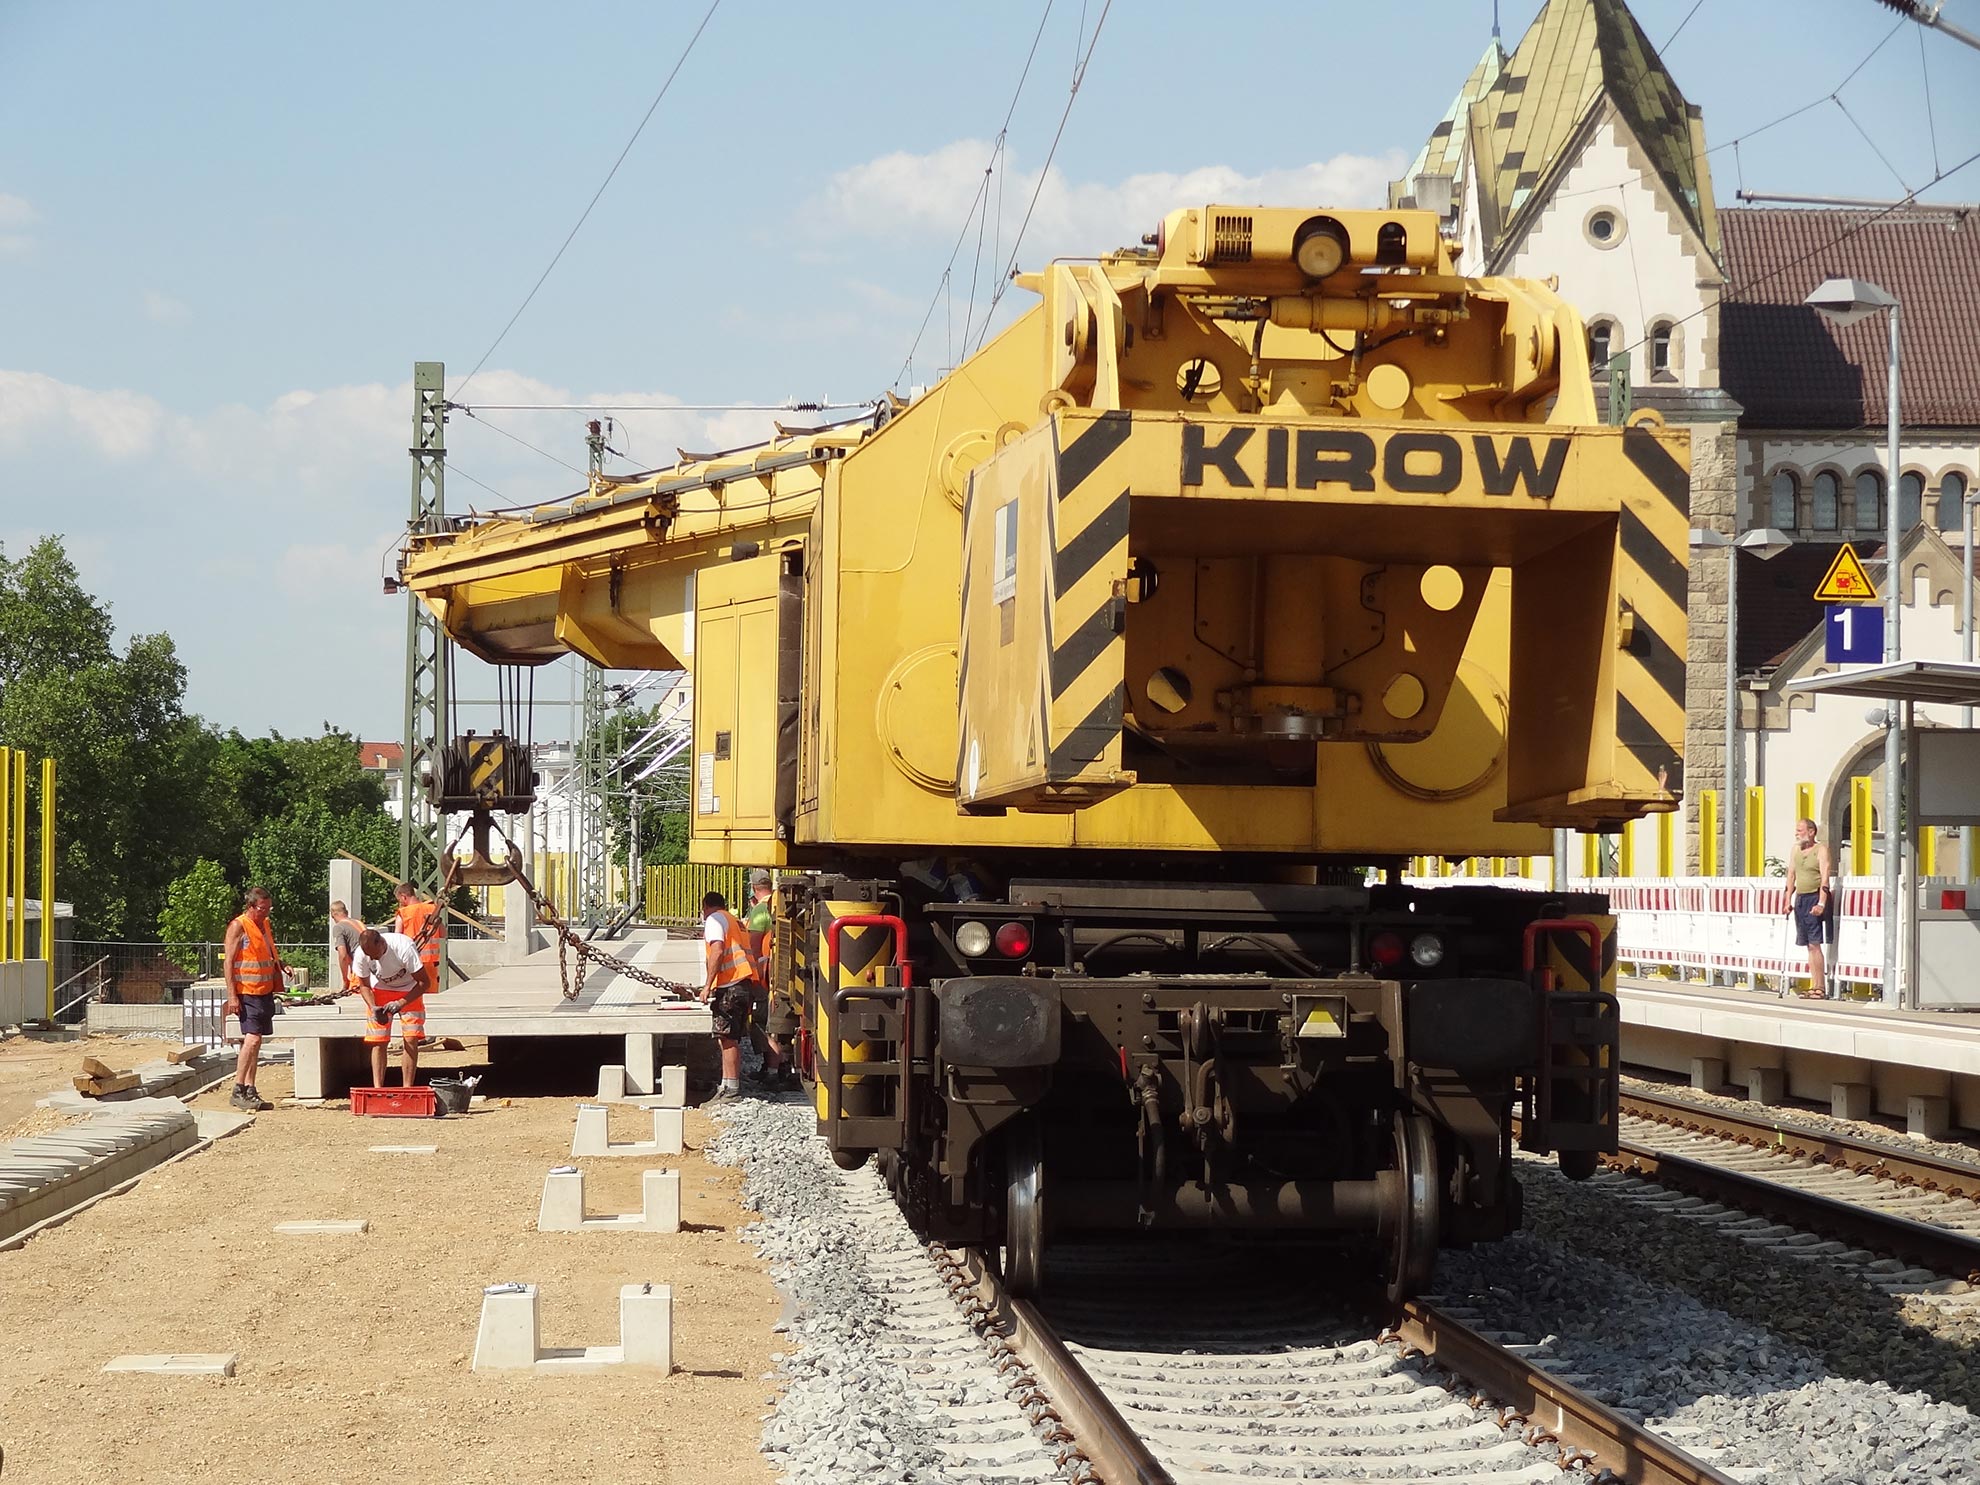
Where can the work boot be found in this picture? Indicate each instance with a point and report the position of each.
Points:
(261, 1105)
(722, 1095)
(246, 1099)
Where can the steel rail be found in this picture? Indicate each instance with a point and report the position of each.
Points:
(1937, 1248)
(1768, 1131)
(1564, 1413)
(1554, 1410)
(1108, 1441)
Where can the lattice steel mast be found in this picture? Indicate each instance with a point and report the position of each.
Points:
(422, 839)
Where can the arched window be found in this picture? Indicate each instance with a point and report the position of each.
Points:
(1911, 500)
(1660, 350)
(1598, 346)
(1869, 501)
(1952, 500)
(1825, 510)
(1784, 502)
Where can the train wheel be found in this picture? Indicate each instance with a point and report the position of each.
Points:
(1024, 1211)
(1415, 1221)
(1578, 1165)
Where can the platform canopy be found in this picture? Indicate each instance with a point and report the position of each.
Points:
(1948, 682)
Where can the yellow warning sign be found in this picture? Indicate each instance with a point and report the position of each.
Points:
(1846, 581)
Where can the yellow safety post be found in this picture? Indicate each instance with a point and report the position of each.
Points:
(1626, 852)
(1667, 845)
(1861, 823)
(20, 854)
(1928, 852)
(1969, 837)
(1526, 866)
(1471, 866)
(1708, 832)
(1591, 855)
(48, 876)
(7, 888)
(1804, 801)
(1756, 830)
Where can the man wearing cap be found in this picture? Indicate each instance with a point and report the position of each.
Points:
(772, 1010)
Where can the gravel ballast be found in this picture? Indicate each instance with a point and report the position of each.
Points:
(884, 1378)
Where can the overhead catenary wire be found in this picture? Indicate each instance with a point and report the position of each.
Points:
(1696, 5)
(980, 200)
(584, 215)
(793, 405)
(1045, 172)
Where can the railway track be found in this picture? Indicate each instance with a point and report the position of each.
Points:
(1158, 1376)
(1814, 1193)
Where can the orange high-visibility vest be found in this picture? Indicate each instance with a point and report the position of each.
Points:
(258, 969)
(420, 922)
(732, 965)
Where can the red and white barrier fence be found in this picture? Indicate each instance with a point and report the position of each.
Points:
(1740, 925)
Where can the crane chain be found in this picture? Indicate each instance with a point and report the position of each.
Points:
(587, 952)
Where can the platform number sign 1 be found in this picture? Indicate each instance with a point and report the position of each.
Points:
(1854, 634)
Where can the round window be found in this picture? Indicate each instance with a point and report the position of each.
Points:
(1603, 226)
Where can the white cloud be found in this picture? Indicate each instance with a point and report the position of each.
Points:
(17, 214)
(932, 192)
(163, 309)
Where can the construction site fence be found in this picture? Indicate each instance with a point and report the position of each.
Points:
(133, 979)
(674, 893)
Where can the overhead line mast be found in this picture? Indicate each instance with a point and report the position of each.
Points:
(422, 842)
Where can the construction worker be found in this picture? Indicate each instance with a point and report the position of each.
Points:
(772, 1014)
(420, 920)
(728, 986)
(344, 934)
(392, 981)
(253, 972)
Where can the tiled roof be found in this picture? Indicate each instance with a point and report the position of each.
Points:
(1792, 368)
(1575, 53)
(380, 754)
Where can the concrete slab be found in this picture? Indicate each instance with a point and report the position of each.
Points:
(329, 1227)
(217, 1124)
(405, 1149)
(178, 1364)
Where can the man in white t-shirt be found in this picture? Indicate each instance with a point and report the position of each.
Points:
(392, 980)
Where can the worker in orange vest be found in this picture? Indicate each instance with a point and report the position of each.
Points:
(253, 972)
(420, 921)
(728, 987)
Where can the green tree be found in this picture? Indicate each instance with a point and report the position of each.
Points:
(115, 725)
(290, 854)
(198, 907)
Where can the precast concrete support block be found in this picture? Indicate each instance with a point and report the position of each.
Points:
(1708, 1074)
(611, 1083)
(640, 1061)
(1852, 1100)
(1766, 1086)
(673, 1085)
(562, 1207)
(1927, 1116)
(508, 1337)
(592, 1136)
(646, 1325)
(660, 1200)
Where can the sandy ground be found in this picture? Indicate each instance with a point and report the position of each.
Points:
(354, 1351)
(31, 1068)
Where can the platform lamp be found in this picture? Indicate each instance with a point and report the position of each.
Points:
(1763, 544)
(1847, 301)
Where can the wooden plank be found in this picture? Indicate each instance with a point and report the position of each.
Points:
(183, 1055)
(94, 1069)
(101, 1087)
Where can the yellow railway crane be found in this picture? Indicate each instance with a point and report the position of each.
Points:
(1088, 682)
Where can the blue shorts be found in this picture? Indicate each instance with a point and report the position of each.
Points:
(1810, 927)
(257, 1015)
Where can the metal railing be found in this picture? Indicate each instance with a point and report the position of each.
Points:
(139, 974)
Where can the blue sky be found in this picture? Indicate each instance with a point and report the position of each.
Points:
(227, 230)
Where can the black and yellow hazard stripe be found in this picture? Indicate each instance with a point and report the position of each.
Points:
(1651, 581)
(1088, 525)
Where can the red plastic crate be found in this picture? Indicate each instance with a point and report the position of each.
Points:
(394, 1103)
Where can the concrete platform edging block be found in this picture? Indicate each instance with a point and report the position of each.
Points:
(1927, 1117)
(562, 1207)
(42, 1176)
(592, 1136)
(510, 1338)
(1852, 1100)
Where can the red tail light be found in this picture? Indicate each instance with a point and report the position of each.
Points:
(1386, 949)
(1014, 940)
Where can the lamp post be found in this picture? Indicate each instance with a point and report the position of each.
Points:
(1846, 301)
(1763, 544)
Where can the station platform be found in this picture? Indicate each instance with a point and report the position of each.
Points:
(521, 1000)
(1861, 1058)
